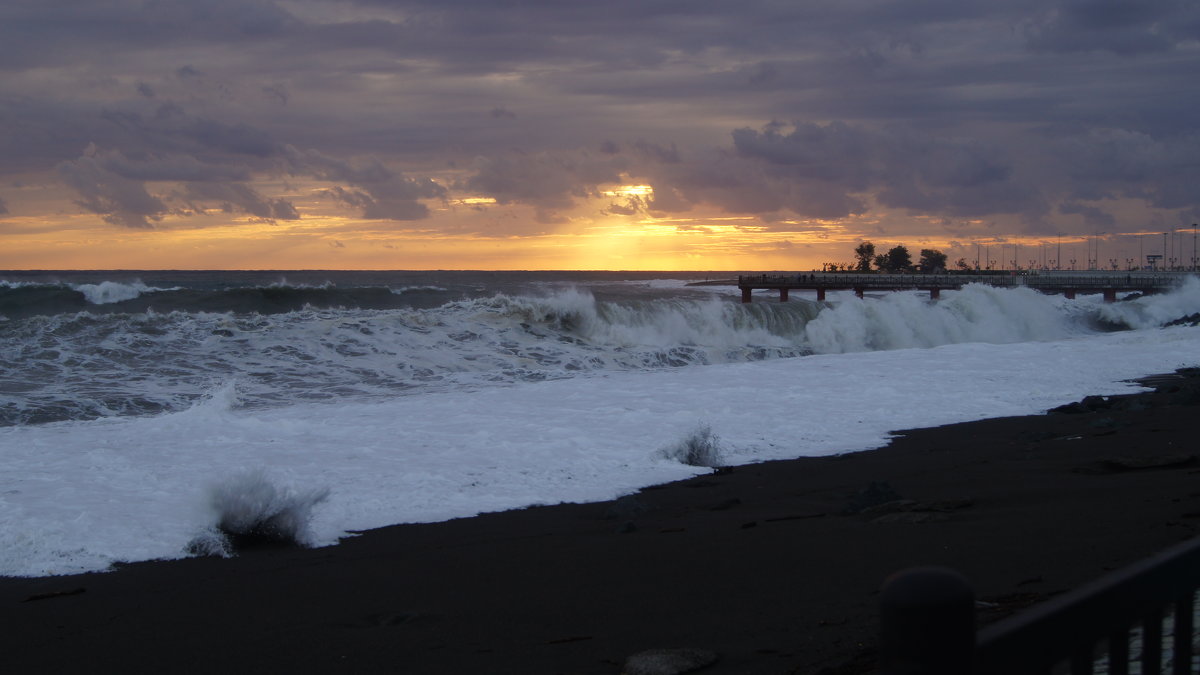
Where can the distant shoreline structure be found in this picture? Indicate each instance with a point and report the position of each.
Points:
(1068, 283)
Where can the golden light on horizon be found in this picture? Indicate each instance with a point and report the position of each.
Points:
(630, 191)
(483, 234)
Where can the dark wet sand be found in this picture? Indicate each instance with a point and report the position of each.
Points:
(761, 564)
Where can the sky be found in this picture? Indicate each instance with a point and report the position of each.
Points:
(639, 135)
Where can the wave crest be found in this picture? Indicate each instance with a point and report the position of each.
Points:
(109, 292)
(105, 363)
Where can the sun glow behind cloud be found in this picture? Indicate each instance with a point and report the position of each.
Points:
(615, 228)
(630, 191)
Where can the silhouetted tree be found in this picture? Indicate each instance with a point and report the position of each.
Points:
(864, 253)
(932, 260)
(895, 260)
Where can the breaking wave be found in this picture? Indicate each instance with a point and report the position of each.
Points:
(96, 362)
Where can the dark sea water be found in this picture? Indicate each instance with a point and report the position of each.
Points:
(79, 345)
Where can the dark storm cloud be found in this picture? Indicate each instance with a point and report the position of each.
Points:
(114, 187)
(945, 108)
(1091, 215)
(36, 33)
(1126, 27)
(171, 128)
(549, 183)
(825, 169)
(384, 194)
(234, 197)
(1163, 171)
(119, 199)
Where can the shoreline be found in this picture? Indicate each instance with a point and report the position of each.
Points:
(773, 566)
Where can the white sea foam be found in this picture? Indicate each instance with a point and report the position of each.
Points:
(79, 495)
(977, 313)
(107, 292)
(1154, 310)
(401, 290)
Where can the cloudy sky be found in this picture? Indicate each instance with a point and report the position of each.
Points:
(623, 134)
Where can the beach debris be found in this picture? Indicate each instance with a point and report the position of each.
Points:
(1165, 461)
(1088, 404)
(669, 661)
(875, 494)
(726, 504)
(627, 507)
(796, 516)
(384, 619)
(912, 517)
(566, 640)
(913, 511)
(55, 594)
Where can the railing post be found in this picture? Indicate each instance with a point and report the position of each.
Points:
(927, 623)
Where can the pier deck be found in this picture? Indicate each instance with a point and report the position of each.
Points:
(1067, 283)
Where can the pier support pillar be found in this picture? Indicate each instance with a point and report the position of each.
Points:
(820, 295)
(783, 294)
(858, 292)
(746, 295)
(1069, 294)
(1110, 295)
(935, 293)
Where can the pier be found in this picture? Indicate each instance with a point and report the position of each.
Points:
(1067, 283)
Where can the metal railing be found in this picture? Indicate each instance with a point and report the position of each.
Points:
(927, 624)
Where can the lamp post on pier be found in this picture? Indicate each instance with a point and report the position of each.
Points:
(1193, 247)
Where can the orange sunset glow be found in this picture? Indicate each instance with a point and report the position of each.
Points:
(361, 135)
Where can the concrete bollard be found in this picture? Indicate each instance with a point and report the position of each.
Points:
(927, 623)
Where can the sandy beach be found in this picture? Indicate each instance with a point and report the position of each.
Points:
(774, 567)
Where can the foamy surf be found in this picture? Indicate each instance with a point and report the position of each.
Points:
(496, 419)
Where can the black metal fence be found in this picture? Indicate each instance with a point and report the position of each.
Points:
(1140, 619)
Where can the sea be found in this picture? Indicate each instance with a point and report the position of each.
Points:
(143, 412)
